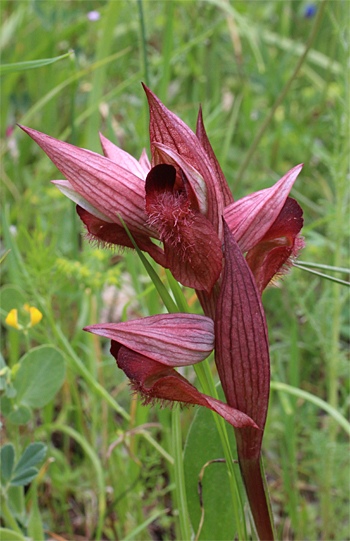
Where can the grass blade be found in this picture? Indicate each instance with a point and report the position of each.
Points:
(279, 386)
(326, 276)
(325, 267)
(31, 64)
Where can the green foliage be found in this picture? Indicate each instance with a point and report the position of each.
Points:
(24, 471)
(32, 383)
(10, 535)
(192, 58)
(40, 376)
(202, 446)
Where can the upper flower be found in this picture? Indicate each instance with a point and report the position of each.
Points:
(179, 199)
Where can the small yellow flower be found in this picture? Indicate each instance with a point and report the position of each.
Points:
(35, 317)
(35, 314)
(12, 319)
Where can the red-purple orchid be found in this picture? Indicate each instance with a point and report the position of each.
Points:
(148, 349)
(180, 198)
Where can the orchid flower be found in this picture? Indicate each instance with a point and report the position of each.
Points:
(179, 199)
(148, 349)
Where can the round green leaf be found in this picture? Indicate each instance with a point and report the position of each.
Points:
(202, 445)
(20, 415)
(40, 376)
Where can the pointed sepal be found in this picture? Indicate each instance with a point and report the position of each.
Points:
(169, 339)
(250, 218)
(203, 139)
(107, 186)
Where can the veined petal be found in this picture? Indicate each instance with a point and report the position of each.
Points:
(67, 189)
(109, 188)
(106, 234)
(251, 217)
(145, 163)
(163, 154)
(170, 339)
(154, 381)
(203, 139)
(122, 158)
(168, 129)
(241, 348)
(275, 253)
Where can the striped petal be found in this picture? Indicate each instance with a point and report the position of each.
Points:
(107, 186)
(251, 217)
(170, 339)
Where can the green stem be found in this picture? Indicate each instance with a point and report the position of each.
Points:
(7, 516)
(144, 42)
(281, 96)
(180, 476)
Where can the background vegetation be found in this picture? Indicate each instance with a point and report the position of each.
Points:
(234, 59)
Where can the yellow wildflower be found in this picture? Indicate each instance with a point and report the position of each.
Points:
(12, 319)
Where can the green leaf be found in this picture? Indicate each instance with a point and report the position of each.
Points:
(20, 415)
(33, 454)
(40, 376)
(25, 477)
(35, 526)
(202, 445)
(10, 535)
(10, 391)
(7, 456)
(20, 66)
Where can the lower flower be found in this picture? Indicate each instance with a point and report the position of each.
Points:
(157, 382)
